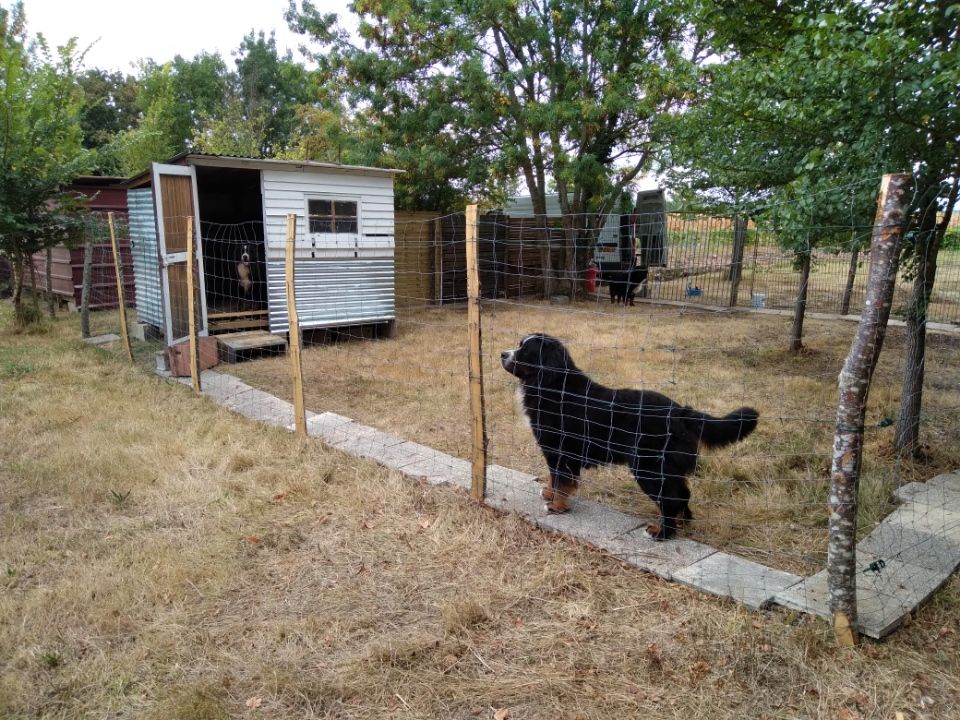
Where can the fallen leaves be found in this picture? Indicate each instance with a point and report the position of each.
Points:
(254, 702)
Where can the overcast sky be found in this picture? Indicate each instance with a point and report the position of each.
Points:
(123, 32)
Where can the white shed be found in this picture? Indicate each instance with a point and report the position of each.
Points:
(344, 243)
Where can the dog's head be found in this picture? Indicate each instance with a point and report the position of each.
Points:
(538, 359)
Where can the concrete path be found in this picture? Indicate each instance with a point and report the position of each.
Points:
(905, 559)
(102, 339)
(902, 561)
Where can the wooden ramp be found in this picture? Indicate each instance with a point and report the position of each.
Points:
(226, 322)
(901, 563)
(235, 347)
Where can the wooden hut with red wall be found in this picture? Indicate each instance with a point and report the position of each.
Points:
(101, 195)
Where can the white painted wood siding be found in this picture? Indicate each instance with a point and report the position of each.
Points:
(286, 191)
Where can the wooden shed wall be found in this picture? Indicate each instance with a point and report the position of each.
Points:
(67, 267)
(67, 275)
(431, 261)
(416, 245)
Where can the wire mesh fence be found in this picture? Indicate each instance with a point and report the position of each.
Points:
(385, 374)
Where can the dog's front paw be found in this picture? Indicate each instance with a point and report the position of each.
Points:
(547, 493)
(655, 532)
(558, 505)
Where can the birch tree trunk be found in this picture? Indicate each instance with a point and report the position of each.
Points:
(851, 406)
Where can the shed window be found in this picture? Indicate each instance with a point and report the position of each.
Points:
(332, 216)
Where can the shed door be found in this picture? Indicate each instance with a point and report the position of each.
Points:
(175, 196)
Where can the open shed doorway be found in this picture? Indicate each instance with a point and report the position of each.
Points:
(234, 256)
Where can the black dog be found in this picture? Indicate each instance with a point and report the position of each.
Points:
(624, 283)
(579, 424)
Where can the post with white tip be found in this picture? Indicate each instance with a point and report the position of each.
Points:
(478, 455)
(295, 336)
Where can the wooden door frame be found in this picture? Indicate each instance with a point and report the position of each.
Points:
(166, 259)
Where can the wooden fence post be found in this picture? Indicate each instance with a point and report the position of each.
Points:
(192, 308)
(851, 407)
(296, 337)
(121, 302)
(86, 287)
(478, 456)
(438, 261)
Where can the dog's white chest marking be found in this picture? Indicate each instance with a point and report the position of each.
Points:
(521, 408)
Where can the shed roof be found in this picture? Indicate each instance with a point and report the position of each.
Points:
(232, 161)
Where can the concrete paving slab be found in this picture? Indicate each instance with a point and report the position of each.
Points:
(366, 442)
(893, 541)
(392, 455)
(930, 494)
(729, 576)
(883, 598)
(396, 453)
(102, 339)
(933, 520)
(331, 427)
(593, 523)
(660, 558)
(514, 491)
(441, 471)
(948, 481)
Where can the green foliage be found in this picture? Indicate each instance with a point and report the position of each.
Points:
(173, 98)
(810, 95)
(271, 89)
(40, 143)
(470, 95)
(109, 105)
(233, 131)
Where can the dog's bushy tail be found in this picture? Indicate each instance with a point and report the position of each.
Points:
(734, 426)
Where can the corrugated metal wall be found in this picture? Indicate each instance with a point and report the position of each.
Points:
(146, 257)
(332, 293)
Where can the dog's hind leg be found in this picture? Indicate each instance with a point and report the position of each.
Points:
(668, 489)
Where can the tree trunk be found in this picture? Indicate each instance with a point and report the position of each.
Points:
(33, 288)
(546, 260)
(16, 267)
(51, 304)
(800, 309)
(906, 439)
(571, 262)
(86, 287)
(851, 278)
(736, 259)
(854, 384)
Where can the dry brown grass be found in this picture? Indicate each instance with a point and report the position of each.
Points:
(163, 558)
(764, 498)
